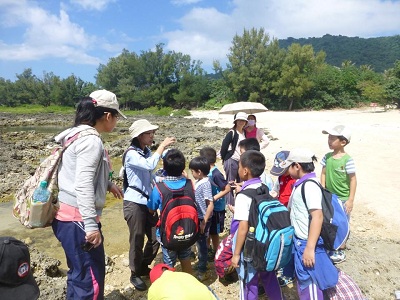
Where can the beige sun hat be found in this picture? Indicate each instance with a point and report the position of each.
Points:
(107, 99)
(140, 126)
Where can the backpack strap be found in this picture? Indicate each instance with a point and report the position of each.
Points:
(303, 193)
(125, 183)
(167, 193)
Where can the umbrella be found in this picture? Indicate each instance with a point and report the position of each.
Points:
(246, 107)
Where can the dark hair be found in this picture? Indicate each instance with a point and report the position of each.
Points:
(342, 138)
(87, 113)
(308, 167)
(253, 160)
(210, 154)
(200, 163)
(174, 162)
(249, 144)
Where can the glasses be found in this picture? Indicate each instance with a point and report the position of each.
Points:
(151, 133)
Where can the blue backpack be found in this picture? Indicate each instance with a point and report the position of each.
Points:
(273, 230)
(335, 226)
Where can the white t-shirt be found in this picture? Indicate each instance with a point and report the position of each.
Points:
(242, 204)
(299, 215)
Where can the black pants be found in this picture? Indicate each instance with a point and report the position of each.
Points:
(140, 223)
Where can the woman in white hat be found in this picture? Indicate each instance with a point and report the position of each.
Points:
(230, 152)
(139, 164)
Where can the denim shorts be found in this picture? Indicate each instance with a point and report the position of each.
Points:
(217, 222)
(170, 256)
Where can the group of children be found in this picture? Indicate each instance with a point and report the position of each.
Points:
(312, 266)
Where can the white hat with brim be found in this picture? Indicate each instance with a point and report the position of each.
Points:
(339, 130)
(298, 155)
(106, 99)
(140, 126)
(240, 116)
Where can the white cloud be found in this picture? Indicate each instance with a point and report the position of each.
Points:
(207, 34)
(45, 35)
(93, 4)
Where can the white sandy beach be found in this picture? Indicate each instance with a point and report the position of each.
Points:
(374, 144)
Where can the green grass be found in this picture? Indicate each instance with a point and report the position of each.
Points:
(36, 109)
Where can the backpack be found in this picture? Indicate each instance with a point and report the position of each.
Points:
(335, 226)
(273, 230)
(39, 215)
(178, 223)
(223, 257)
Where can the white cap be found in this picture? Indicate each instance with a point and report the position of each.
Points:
(298, 155)
(339, 130)
(107, 99)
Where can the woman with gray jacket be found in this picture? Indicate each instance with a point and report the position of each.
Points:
(83, 181)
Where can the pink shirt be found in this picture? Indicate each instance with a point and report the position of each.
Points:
(69, 213)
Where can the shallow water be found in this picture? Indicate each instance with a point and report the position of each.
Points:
(114, 228)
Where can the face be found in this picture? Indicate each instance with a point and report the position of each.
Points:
(243, 172)
(335, 143)
(242, 150)
(196, 174)
(240, 124)
(110, 121)
(146, 138)
(294, 171)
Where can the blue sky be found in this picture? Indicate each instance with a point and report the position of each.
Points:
(75, 36)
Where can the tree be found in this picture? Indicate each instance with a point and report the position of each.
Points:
(295, 80)
(253, 64)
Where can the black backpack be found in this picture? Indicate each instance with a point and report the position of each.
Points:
(178, 223)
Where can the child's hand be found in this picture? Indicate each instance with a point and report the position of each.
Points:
(309, 257)
(231, 208)
(348, 206)
(202, 226)
(235, 260)
(273, 194)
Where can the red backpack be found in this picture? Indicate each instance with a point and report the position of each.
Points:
(178, 223)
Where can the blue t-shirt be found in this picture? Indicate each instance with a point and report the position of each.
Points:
(218, 183)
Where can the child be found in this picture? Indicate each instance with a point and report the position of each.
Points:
(314, 270)
(339, 174)
(252, 144)
(282, 190)
(205, 205)
(251, 166)
(220, 188)
(174, 165)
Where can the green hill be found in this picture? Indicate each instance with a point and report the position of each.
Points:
(380, 53)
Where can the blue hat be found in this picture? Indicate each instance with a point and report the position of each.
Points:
(279, 158)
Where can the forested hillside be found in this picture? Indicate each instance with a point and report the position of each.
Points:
(380, 53)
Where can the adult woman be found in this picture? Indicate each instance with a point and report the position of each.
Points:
(253, 132)
(230, 152)
(83, 180)
(139, 164)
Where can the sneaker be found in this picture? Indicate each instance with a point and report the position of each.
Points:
(201, 276)
(337, 256)
(284, 280)
(137, 282)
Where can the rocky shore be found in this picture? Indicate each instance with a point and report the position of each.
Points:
(373, 255)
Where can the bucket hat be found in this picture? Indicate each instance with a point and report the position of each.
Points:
(140, 126)
(16, 279)
(240, 116)
(106, 99)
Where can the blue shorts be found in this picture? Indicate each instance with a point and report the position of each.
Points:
(170, 256)
(217, 222)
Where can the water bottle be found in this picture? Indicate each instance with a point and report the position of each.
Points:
(249, 246)
(41, 194)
